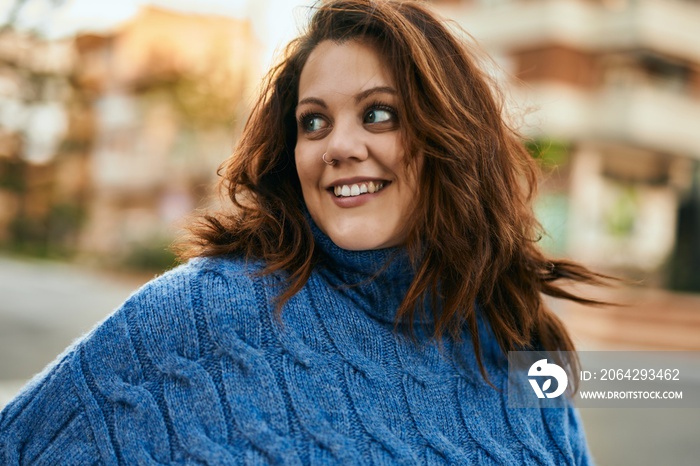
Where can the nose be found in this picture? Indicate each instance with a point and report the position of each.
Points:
(347, 141)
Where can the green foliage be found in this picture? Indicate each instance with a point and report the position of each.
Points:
(28, 237)
(202, 103)
(12, 175)
(620, 215)
(53, 235)
(203, 98)
(64, 222)
(154, 255)
(549, 153)
(684, 263)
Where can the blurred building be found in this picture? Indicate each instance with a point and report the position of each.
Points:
(106, 140)
(609, 92)
(167, 90)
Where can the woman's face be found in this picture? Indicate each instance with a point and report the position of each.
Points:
(347, 110)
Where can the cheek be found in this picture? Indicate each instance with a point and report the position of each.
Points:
(410, 185)
(307, 170)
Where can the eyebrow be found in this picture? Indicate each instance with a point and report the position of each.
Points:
(358, 98)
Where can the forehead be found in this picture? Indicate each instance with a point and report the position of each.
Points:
(342, 69)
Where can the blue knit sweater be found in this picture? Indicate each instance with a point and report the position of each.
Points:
(195, 369)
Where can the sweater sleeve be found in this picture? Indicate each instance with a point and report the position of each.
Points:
(46, 423)
(92, 404)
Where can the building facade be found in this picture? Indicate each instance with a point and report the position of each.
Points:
(167, 90)
(108, 140)
(608, 92)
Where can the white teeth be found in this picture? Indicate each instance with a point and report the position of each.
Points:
(357, 189)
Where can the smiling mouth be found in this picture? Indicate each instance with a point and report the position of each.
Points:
(358, 189)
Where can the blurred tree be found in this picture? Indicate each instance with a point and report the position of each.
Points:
(17, 6)
(41, 221)
(206, 97)
(684, 266)
(549, 153)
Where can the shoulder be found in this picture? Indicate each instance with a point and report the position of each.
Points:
(169, 317)
(96, 388)
(217, 274)
(169, 312)
(201, 281)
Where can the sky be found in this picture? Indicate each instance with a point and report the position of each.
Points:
(275, 21)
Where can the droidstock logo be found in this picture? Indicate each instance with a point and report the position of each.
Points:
(541, 369)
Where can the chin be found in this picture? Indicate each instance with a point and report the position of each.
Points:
(355, 231)
(352, 244)
(360, 241)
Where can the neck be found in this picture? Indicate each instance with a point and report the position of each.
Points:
(377, 280)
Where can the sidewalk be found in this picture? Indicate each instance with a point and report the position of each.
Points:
(646, 319)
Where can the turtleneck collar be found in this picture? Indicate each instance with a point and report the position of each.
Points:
(377, 280)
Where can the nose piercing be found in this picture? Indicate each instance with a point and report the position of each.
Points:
(331, 162)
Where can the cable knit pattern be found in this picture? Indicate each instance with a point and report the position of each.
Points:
(196, 369)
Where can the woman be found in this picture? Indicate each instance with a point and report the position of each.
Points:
(356, 303)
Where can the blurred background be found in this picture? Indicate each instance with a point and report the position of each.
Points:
(114, 117)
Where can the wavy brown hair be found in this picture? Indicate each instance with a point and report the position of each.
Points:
(473, 234)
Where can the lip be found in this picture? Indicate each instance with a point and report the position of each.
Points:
(354, 180)
(356, 201)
